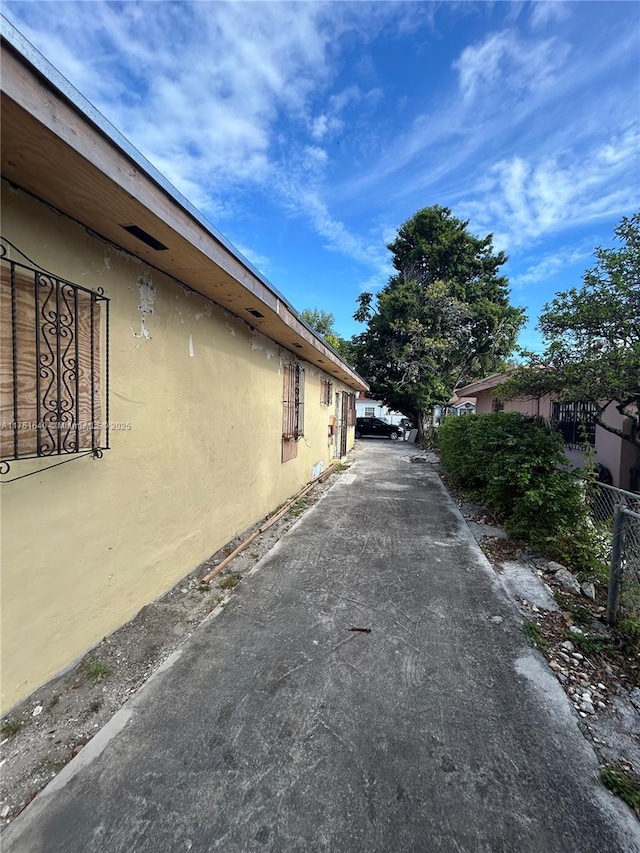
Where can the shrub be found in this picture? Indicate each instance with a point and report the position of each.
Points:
(454, 437)
(515, 465)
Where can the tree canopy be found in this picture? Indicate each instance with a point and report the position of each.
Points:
(592, 339)
(443, 317)
(323, 323)
(320, 321)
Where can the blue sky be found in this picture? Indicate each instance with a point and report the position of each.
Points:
(309, 132)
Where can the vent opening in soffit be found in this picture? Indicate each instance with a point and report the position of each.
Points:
(146, 238)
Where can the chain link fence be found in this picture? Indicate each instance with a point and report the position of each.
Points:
(616, 517)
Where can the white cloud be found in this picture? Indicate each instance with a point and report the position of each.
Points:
(260, 262)
(505, 63)
(325, 124)
(502, 82)
(521, 199)
(552, 264)
(339, 238)
(331, 122)
(315, 156)
(344, 98)
(516, 96)
(377, 281)
(547, 11)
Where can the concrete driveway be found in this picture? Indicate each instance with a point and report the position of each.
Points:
(279, 728)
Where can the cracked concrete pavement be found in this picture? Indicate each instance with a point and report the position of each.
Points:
(278, 728)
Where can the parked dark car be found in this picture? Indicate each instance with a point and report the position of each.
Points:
(376, 426)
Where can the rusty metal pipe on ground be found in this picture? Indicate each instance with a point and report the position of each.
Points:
(270, 521)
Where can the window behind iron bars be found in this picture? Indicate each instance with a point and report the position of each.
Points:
(54, 364)
(326, 391)
(293, 402)
(576, 422)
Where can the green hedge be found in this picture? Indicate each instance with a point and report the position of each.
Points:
(513, 464)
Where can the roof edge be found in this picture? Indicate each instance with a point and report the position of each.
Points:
(484, 384)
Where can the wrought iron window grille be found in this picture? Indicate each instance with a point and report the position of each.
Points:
(576, 421)
(293, 403)
(326, 392)
(54, 366)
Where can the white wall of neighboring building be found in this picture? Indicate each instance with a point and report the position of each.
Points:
(366, 408)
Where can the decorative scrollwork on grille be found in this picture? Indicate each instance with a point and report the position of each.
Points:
(55, 339)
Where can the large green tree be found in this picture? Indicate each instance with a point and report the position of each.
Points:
(592, 341)
(323, 323)
(443, 318)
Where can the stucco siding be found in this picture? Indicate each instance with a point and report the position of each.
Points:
(484, 400)
(616, 455)
(197, 395)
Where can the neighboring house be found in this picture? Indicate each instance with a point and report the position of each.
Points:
(184, 394)
(368, 407)
(457, 406)
(616, 455)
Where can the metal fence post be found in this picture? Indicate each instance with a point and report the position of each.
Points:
(615, 575)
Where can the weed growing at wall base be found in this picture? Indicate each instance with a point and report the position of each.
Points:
(95, 706)
(10, 727)
(533, 632)
(230, 580)
(623, 785)
(96, 670)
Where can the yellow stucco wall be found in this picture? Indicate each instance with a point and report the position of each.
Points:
(86, 545)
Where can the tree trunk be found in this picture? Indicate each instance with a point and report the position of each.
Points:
(420, 419)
